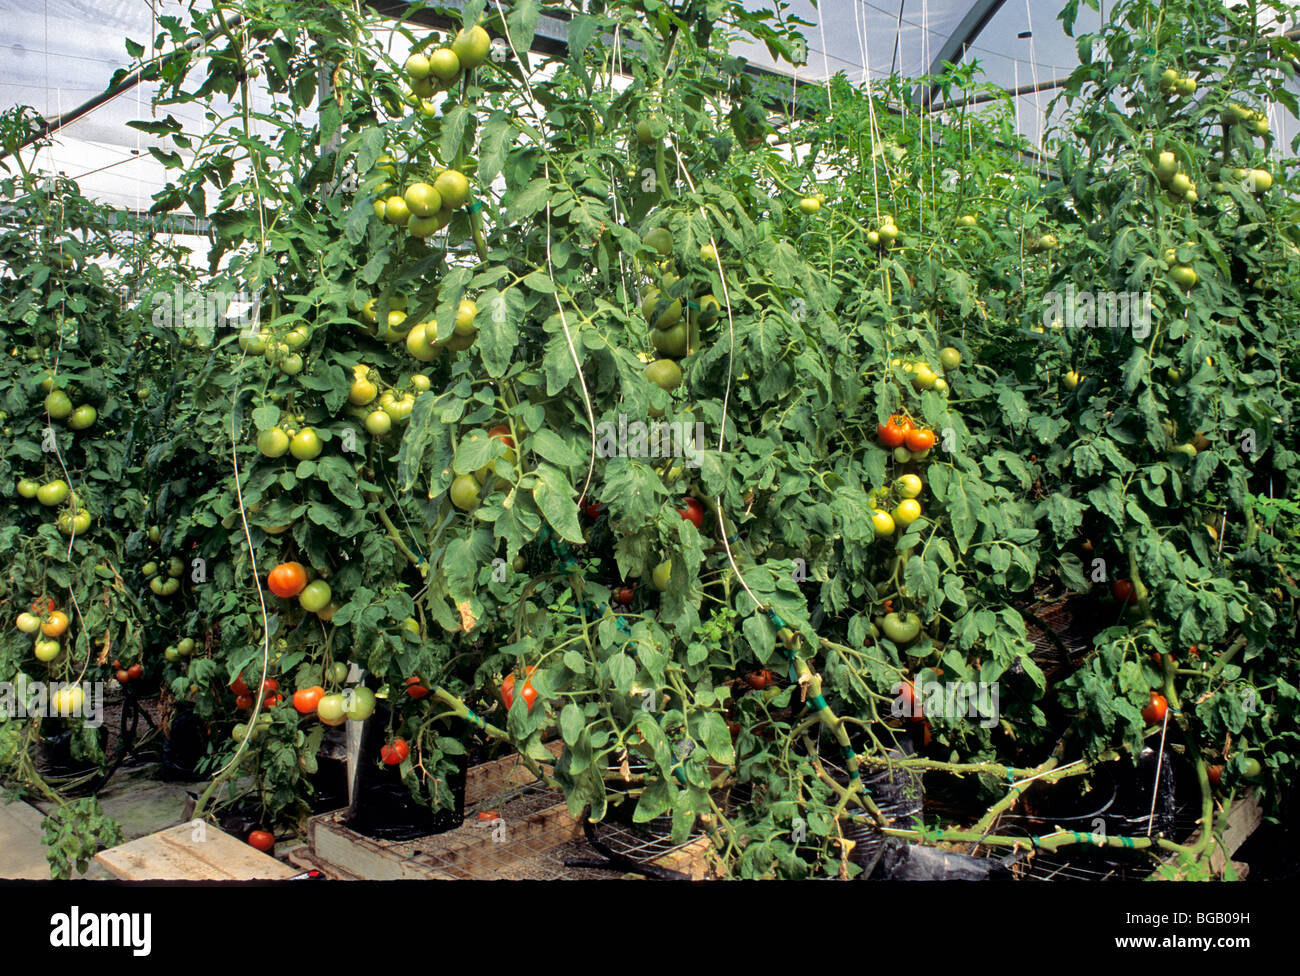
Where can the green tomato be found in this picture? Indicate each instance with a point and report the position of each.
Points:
(1251, 769)
(464, 492)
(273, 443)
(57, 405)
(359, 703)
(665, 374)
(659, 239)
(52, 493)
(332, 710)
(883, 524)
(46, 650)
(306, 445)
(662, 575)
(339, 672)
(471, 46)
(83, 417)
(902, 628)
(27, 488)
(422, 199)
(909, 486)
(314, 596)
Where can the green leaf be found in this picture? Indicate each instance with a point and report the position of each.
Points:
(555, 499)
(572, 722)
(549, 445)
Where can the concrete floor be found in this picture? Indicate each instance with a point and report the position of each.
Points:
(135, 797)
(22, 855)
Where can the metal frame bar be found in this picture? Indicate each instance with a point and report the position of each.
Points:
(969, 28)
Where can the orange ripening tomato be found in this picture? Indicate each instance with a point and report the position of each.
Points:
(893, 432)
(287, 580)
(529, 692)
(305, 700)
(919, 440)
(1155, 711)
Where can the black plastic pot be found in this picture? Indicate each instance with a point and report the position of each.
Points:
(185, 745)
(383, 807)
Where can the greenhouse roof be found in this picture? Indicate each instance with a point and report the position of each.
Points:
(62, 55)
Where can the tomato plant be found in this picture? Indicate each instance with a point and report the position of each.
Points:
(473, 320)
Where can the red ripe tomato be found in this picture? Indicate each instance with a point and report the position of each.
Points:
(394, 753)
(238, 686)
(270, 684)
(122, 676)
(274, 700)
(244, 702)
(305, 700)
(591, 509)
(1215, 773)
(487, 815)
(925, 732)
(1122, 590)
(919, 440)
(529, 692)
(893, 432)
(503, 432)
(624, 594)
(911, 704)
(43, 605)
(693, 512)
(761, 679)
(263, 840)
(135, 672)
(287, 580)
(1155, 711)
(415, 686)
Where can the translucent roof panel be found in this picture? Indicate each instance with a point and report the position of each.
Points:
(864, 39)
(58, 54)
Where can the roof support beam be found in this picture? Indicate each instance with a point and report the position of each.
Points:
(976, 19)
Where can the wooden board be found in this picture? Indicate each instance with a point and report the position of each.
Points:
(529, 836)
(191, 852)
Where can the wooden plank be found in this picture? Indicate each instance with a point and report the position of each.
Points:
(523, 843)
(362, 857)
(691, 860)
(1243, 819)
(191, 852)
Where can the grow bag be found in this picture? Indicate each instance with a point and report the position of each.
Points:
(899, 794)
(383, 807)
(186, 742)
